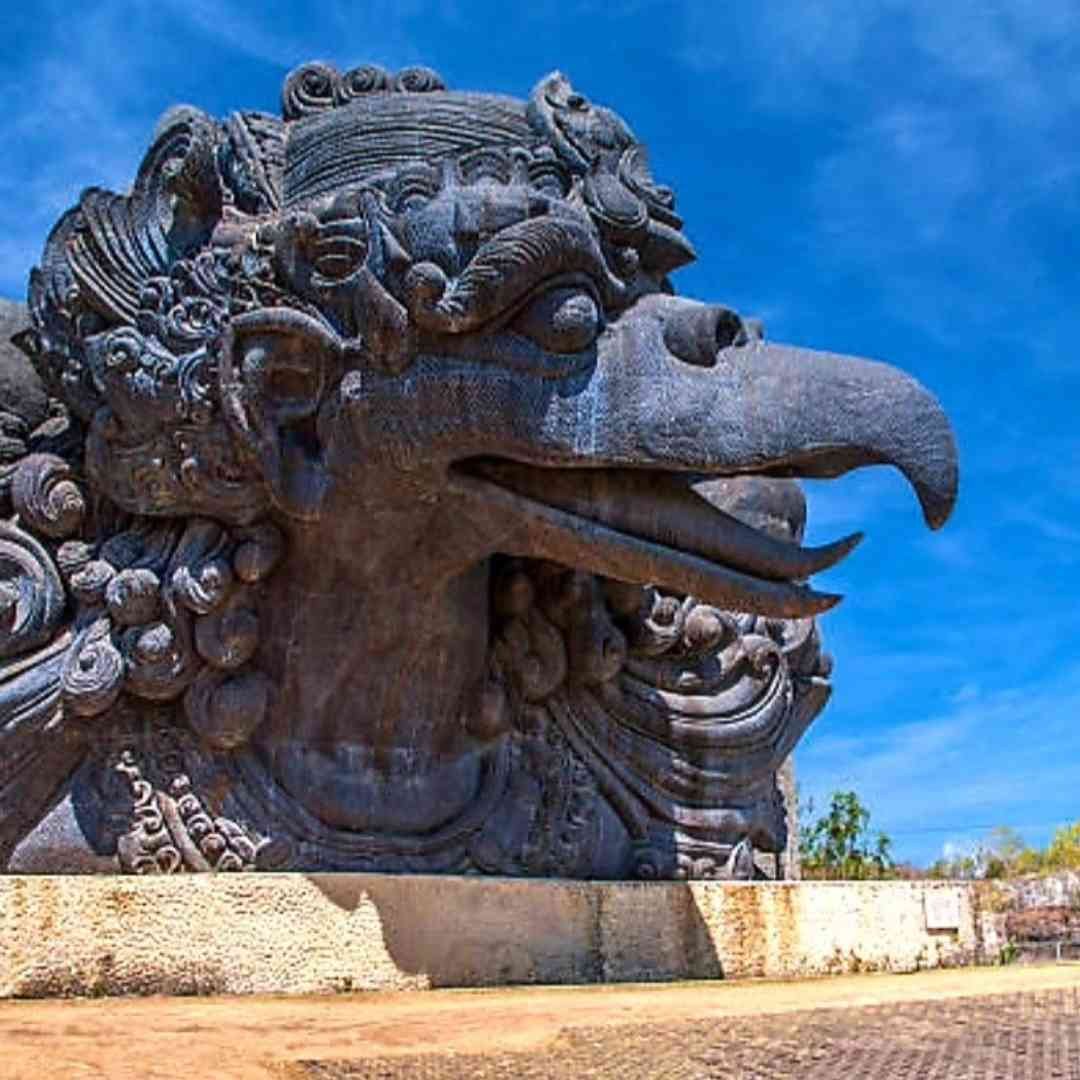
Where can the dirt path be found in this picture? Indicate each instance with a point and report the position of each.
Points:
(427, 1033)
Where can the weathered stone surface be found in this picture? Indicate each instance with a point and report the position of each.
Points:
(295, 933)
(390, 512)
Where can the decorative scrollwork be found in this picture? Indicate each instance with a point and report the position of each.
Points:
(133, 596)
(172, 831)
(93, 674)
(418, 80)
(46, 496)
(32, 595)
(366, 79)
(311, 88)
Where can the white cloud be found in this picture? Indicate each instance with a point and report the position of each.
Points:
(1055, 528)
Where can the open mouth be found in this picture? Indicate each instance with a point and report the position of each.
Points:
(650, 527)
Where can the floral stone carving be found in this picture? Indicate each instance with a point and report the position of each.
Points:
(372, 502)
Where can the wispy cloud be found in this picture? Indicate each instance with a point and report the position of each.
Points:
(1057, 529)
(794, 48)
(285, 34)
(957, 125)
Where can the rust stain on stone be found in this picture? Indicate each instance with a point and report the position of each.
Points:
(786, 926)
(744, 915)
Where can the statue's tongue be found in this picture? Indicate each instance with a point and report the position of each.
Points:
(679, 511)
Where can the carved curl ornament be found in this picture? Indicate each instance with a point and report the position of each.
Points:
(380, 507)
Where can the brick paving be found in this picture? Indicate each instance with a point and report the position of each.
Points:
(1028, 1036)
(1004, 1023)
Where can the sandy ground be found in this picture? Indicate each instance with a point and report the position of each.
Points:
(681, 1029)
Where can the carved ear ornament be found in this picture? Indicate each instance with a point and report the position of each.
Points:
(276, 365)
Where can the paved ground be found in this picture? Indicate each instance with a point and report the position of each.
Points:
(1019, 1023)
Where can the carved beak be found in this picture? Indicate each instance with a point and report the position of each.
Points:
(753, 408)
(580, 469)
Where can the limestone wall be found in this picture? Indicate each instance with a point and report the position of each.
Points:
(267, 933)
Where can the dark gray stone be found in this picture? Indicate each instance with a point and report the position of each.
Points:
(377, 505)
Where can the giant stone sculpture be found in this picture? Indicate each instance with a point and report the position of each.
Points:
(372, 502)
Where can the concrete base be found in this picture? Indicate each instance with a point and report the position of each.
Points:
(292, 933)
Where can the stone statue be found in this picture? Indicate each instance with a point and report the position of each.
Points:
(371, 502)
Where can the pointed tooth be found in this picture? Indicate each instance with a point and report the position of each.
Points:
(828, 555)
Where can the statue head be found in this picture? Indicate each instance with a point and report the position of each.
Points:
(387, 477)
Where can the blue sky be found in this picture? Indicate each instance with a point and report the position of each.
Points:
(898, 180)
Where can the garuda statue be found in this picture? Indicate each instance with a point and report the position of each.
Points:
(370, 501)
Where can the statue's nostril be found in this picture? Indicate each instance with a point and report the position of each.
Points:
(728, 328)
(696, 333)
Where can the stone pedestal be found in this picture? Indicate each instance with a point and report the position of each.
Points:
(292, 933)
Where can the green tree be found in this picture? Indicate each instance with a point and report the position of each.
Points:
(1064, 850)
(839, 844)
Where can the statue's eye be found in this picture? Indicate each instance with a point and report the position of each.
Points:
(561, 320)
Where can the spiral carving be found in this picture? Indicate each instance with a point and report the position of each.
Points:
(418, 80)
(159, 661)
(367, 79)
(310, 88)
(89, 582)
(31, 593)
(706, 630)
(46, 496)
(623, 215)
(93, 673)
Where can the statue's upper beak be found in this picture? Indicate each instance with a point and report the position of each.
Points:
(776, 409)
